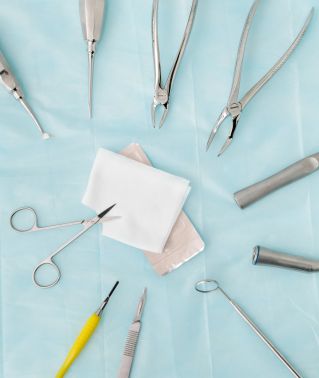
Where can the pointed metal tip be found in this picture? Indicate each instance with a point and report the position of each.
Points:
(105, 302)
(225, 146)
(210, 139)
(101, 215)
(91, 68)
(153, 109)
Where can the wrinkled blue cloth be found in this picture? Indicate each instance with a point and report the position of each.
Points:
(185, 334)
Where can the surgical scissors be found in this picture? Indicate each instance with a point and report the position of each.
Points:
(91, 14)
(208, 285)
(162, 94)
(234, 106)
(48, 261)
(10, 83)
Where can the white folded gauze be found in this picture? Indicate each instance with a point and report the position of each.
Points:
(147, 199)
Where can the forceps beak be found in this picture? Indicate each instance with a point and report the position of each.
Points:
(223, 115)
(153, 113)
(230, 136)
(32, 115)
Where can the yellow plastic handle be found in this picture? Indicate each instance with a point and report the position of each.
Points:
(79, 344)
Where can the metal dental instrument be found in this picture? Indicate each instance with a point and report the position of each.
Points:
(132, 339)
(265, 256)
(33, 225)
(84, 336)
(91, 14)
(296, 171)
(208, 285)
(48, 261)
(235, 106)
(11, 85)
(162, 94)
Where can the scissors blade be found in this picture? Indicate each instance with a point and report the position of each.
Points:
(109, 218)
(101, 215)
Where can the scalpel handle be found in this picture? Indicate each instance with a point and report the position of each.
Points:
(255, 192)
(129, 351)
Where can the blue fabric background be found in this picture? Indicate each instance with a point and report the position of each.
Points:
(185, 334)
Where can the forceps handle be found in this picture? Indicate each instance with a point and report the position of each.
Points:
(156, 52)
(183, 45)
(261, 335)
(265, 256)
(300, 169)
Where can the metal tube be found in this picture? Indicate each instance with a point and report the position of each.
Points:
(265, 256)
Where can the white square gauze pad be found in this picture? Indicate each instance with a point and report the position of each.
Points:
(147, 199)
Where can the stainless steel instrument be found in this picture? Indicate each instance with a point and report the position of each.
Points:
(235, 106)
(11, 85)
(296, 171)
(48, 262)
(265, 256)
(132, 339)
(162, 93)
(91, 14)
(208, 285)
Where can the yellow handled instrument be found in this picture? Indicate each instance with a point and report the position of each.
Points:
(84, 336)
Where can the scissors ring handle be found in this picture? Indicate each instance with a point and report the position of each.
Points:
(46, 263)
(31, 226)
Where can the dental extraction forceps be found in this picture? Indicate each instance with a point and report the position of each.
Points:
(208, 285)
(235, 106)
(162, 94)
(91, 14)
(10, 83)
(48, 261)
